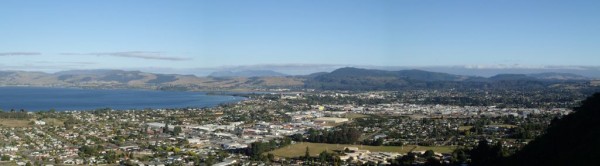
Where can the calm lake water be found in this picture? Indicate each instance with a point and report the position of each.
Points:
(36, 99)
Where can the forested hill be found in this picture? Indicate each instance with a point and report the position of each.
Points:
(572, 140)
(368, 79)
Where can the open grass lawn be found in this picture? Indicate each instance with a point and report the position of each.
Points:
(14, 123)
(464, 128)
(355, 115)
(299, 149)
(8, 163)
(502, 125)
(439, 149)
(53, 122)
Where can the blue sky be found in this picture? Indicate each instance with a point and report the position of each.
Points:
(176, 35)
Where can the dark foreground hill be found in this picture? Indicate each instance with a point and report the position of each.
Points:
(572, 140)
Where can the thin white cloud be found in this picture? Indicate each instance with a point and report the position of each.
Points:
(19, 53)
(66, 62)
(135, 54)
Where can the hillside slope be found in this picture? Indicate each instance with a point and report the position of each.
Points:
(572, 140)
(135, 79)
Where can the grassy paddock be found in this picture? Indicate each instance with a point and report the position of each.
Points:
(299, 149)
(53, 122)
(8, 163)
(14, 123)
(355, 115)
(464, 128)
(502, 125)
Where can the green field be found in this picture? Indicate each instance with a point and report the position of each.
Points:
(299, 149)
(502, 125)
(53, 122)
(14, 123)
(355, 115)
(464, 128)
(439, 149)
(8, 163)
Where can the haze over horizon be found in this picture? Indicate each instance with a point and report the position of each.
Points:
(296, 37)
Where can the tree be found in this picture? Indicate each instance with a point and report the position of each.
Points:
(407, 159)
(210, 160)
(484, 154)
(307, 153)
(428, 154)
(297, 137)
(378, 142)
(86, 151)
(432, 161)
(177, 130)
(110, 157)
(349, 160)
(5, 158)
(459, 156)
(323, 156)
(166, 128)
(271, 157)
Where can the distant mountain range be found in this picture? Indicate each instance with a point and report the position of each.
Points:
(341, 79)
(370, 79)
(422, 75)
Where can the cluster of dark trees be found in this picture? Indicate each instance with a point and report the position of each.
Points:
(482, 155)
(14, 114)
(527, 131)
(87, 151)
(373, 142)
(70, 122)
(339, 135)
(256, 150)
(324, 158)
(110, 156)
(410, 159)
(486, 154)
(5, 158)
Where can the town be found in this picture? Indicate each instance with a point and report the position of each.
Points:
(280, 128)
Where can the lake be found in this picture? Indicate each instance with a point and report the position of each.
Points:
(60, 99)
